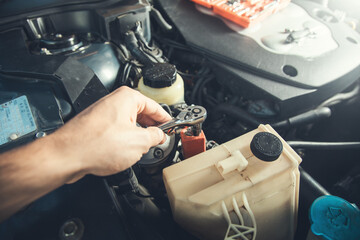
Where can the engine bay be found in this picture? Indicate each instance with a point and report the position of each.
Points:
(294, 78)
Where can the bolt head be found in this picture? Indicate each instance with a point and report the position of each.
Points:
(158, 153)
(40, 134)
(189, 132)
(70, 229)
(196, 110)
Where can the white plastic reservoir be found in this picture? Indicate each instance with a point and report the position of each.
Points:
(229, 193)
(162, 84)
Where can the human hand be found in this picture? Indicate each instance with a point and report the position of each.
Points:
(101, 140)
(104, 138)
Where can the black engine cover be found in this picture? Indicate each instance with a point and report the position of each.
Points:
(294, 82)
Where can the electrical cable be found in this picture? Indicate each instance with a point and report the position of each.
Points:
(120, 211)
(125, 81)
(156, 53)
(124, 51)
(202, 76)
(324, 145)
(202, 86)
(145, 47)
(141, 37)
(149, 55)
(193, 97)
(142, 195)
(313, 187)
(211, 102)
(186, 74)
(138, 219)
(340, 97)
(209, 97)
(132, 44)
(124, 74)
(172, 43)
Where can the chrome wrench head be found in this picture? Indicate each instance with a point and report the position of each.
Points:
(189, 116)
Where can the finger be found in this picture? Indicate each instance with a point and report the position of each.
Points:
(145, 120)
(155, 136)
(150, 111)
(147, 111)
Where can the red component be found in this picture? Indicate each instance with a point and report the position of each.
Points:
(192, 145)
(244, 12)
(206, 3)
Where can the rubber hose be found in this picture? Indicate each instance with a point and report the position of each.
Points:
(304, 118)
(160, 19)
(237, 113)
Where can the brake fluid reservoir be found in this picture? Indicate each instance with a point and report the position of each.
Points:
(162, 84)
(246, 188)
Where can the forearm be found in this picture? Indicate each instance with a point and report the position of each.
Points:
(101, 140)
(30, 172)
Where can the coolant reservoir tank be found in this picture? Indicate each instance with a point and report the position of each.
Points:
(247, 188)
(162, 84)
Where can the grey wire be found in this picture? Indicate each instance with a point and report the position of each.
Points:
(125, 74)
(340, 97)
(324, 145)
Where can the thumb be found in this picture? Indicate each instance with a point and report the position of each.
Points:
(156, 136)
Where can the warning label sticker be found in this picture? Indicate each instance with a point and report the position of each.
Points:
(16, 120)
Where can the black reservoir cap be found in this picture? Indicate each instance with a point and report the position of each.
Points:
(159, 75)
(266, 146)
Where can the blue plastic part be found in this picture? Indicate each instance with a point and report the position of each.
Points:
(334, 218)
(16, 118)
